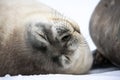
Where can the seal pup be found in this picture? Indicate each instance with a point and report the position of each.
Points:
(36, 39)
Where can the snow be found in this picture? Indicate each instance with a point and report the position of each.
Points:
(80, 11)
(112, 75)
(97, 74)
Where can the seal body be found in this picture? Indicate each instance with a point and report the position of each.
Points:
(36, 39)
(105, 29)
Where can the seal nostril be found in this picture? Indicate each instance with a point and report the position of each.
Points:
(66, 38)
(56, 59)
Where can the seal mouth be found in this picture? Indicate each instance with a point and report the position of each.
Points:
(61, 60)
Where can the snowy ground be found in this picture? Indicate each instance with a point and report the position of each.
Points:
(80, 11)
(100, 74)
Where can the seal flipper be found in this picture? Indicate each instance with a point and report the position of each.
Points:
(100, 61)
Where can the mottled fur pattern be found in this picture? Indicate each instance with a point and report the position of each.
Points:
(105, 29)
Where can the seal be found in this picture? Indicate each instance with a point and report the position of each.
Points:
(105, 30)
(36, 39)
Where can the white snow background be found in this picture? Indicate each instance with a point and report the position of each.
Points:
(80, 11)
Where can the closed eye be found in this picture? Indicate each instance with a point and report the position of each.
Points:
(66, 37)
(43, 36)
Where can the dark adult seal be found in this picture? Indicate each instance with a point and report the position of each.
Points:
(105, 29)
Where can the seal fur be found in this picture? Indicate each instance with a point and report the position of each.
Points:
(36, 39)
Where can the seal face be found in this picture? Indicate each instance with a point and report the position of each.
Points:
(36, 39)
(104, 29)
